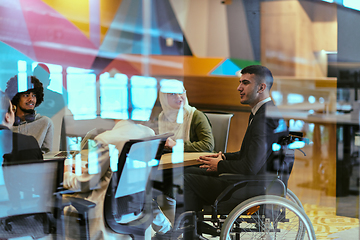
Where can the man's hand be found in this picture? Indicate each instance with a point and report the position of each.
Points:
(170, 143)
(210, 161)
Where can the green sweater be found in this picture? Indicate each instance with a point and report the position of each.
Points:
(201, 137)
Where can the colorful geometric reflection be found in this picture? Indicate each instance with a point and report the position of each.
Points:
(81, 40)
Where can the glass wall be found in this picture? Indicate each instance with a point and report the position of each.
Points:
(104, 65)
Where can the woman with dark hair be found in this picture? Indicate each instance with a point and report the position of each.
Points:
(26, 95)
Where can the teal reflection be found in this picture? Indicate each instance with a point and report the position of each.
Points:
(9, 59)
(114, 96)
(81, 85)
(294, 145)
(54, 94)
(354, 4)
(277, 97)
(5, 148)
(143, 97)
(294, 98)
(114, 157)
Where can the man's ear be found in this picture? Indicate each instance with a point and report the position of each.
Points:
(7, 117)
(262, 87)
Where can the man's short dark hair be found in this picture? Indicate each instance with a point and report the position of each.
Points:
(262, 73)
(4, 105)
(14, 95)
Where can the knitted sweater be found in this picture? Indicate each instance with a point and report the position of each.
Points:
(42, 128)
(201, 137)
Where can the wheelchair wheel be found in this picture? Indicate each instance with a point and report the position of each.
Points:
(292, 197)
(267, 217)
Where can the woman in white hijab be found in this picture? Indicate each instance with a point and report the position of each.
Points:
(184, 121)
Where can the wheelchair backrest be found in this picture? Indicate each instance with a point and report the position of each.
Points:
(282, 158)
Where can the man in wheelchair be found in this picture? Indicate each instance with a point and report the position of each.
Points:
(203, 185)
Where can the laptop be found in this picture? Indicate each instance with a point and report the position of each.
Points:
(67, 154)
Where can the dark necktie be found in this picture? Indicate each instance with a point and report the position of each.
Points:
(251, 117)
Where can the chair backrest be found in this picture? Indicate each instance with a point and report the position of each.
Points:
(220, 122)
(127, 206)
(29, 192)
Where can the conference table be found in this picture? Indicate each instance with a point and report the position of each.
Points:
(168, 161)
(171, 168)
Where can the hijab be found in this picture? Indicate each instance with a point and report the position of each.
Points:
(176, 121)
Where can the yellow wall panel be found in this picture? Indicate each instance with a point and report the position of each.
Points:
(76, 12)
(194, 66)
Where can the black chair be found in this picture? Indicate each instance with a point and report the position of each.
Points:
(31, 206)
(255, 207)
(128, 201)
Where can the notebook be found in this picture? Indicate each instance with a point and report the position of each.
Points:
(72, 153)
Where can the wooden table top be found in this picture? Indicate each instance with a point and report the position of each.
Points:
(168, 161)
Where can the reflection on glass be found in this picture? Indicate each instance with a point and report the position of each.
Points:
(50, 75)
(277, 97)
(22, 76)
(296, 125)
(312, 99)
(93, 162)
(294, 98)
(177, 155)
(143, 97)
(56, 78)
(354, 4)
(5, 148)
(78, 164)
(81, 93)
(137, 168)
(114, 157)
(114, 96)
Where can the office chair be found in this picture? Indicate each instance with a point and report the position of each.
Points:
(31, 208)
(128, 200)
(255, 207)
(220, 122)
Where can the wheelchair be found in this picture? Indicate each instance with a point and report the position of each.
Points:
(267, 209)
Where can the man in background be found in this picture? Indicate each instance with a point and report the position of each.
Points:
(14, 147)
(27, 121)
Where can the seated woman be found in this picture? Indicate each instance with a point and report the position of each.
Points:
(188, 125)
(184, 121)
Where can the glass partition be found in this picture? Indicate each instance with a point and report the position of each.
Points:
(120, 67)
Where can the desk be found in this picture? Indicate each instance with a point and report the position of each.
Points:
(189, 160)
(168, 170)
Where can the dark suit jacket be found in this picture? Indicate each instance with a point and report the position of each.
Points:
(256, 148)
(16, 147)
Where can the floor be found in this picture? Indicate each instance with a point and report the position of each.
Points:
(332, 218)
